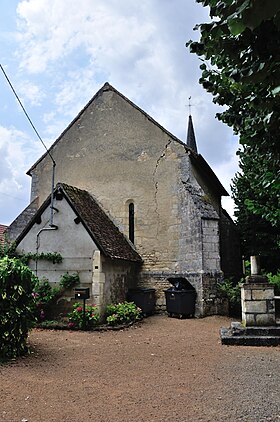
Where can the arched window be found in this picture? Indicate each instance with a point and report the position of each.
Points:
(131, 222)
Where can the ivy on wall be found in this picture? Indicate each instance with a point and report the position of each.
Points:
(54, 257)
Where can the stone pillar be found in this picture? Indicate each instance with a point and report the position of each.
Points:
(258, 304)
(98, 282)
(255, 265)
(257, 300)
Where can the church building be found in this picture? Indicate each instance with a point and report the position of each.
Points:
(132, 205)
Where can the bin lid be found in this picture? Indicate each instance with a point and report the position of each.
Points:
(180, 283)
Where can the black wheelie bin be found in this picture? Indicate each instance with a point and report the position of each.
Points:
(180, 298)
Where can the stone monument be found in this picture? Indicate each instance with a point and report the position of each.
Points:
(258, 326)
(257, 298)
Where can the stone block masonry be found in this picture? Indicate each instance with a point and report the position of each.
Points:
(205, 284)
(258, 304)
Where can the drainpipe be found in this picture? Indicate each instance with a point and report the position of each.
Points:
(53, 227)
(52, 194)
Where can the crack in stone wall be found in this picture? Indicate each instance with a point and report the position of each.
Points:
(163, 155)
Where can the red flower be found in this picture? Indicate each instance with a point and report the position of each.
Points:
(79, 309)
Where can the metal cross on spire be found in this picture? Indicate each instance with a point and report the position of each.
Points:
(190, 106)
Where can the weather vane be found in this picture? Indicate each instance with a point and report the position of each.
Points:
(190, 106)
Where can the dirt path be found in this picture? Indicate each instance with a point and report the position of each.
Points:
(164, 369)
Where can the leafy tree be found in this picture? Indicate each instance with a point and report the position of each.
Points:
(240, 49)
(16, 306)
(258, 236)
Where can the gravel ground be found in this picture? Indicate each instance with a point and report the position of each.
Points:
(163, 369)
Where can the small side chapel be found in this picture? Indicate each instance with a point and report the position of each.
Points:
(133, 206)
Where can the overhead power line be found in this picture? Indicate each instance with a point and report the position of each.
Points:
(41, 140)
(26, 114)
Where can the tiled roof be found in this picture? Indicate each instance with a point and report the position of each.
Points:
(205, 170)
(2, 233)
(100, 227)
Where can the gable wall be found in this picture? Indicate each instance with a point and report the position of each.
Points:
(71, 240)
(118, 155)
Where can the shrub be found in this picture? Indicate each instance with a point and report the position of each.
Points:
(275, 279)
(16, 306)
(67, 281)
(122, 313)
(46, 296)
(8, 249)
(77, 319)
(231, 291)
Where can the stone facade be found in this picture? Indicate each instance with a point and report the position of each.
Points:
(23, 219)
(121, 156)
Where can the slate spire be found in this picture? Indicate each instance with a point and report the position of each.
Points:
(191, 142)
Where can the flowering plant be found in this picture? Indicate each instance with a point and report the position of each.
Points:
(44, 297)
(77, 318)
(122, 313)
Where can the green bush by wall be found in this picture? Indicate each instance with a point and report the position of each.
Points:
(17, 282)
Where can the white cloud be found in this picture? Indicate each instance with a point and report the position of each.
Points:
(75, 91)
(16, 150)
(30, 92)
(226, 168)
(67, 50)
(51, 30)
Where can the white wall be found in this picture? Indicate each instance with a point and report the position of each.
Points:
(71, 240)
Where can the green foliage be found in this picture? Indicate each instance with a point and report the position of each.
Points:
(8, 249)
(46, 296)
(258, 236)
(77, 319)
(16, 306)
(231, 291)
(275, 279)
(122, 313)
(68, 281)
(240, 49)
(247, 269)
(54, 257)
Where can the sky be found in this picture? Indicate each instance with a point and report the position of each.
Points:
(59, 53)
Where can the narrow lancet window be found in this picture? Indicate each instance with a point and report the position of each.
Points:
(131, 221)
